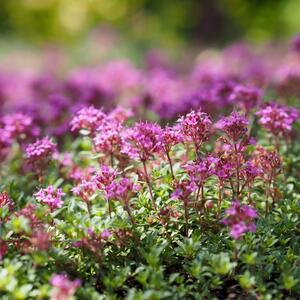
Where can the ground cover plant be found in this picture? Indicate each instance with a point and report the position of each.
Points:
(155, 183)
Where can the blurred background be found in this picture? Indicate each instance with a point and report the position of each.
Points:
(129, 27)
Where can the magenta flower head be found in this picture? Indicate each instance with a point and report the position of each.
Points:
(121, 190)
(141, 141)
(235, 126)
(246, 97)
(120, 114)
(169, 137)
(88, 118)
(41, 150)
(278, 119)
(195, 128)
(105, 177)
(183, 190)
(51, 197)
(20, 126)
(108, 137)
(240, 219)
(64, 288)
(85, 189)
(200, 170)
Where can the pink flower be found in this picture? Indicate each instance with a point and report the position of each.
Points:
(240, 219)
(278, 119)
(169, 137)
(141, 141)
(50, 197)
(195, 128)
(105, 234)
(121, 190)
(245, 96)
(29, 212)
(64, 288)
(6, 201)
(200, 170)
(105, 177)
(183, 190)
(120, 114)
(41, 150)
(235, 126)
(108, 137)
(88, 118)
(20, 126)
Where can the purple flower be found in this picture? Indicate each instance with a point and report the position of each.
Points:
(108, 137)
(169, 137)
(42, 149)
(278, 119)
(20, 126)
(121, 190)
(183, 190)
(50, 197)
(200, 170)
(105, 177)
(64, 288)
(247, 97)
(88, 118)
(240, 219)
(195, 127)
(235, 126)
(85, 189)
(141, 141)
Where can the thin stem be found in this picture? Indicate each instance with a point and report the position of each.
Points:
(109, 207)
(219, 200)
(170, 163)
(88, 204)
(128, 210)
(237, 172)
(186, 216)
(149, 185)
(196, 203)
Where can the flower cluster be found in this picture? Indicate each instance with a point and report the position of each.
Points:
(63, 287)
(235, 126)
(88, 118)
(141, 141)
(6, 201)
(247, 97)
(51, 197)
(20, 126)
(195, 128)
(41, 150)
(278, 119)
(240, 219)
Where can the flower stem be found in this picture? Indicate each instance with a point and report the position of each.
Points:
(149, 185)
(170, 163)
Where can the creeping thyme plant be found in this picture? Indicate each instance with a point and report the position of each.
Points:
(123, 183)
